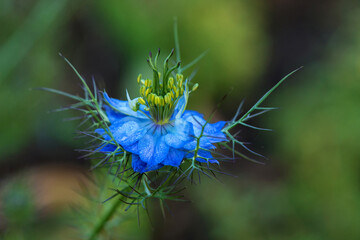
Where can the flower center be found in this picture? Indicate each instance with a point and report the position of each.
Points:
(161, 94)
(161, 97)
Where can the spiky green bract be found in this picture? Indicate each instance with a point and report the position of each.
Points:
(254, 111)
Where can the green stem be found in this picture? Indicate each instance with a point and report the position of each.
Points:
(105, 218)
(177, 44)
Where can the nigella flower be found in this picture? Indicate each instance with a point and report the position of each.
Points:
(156, 128)
(153, 131)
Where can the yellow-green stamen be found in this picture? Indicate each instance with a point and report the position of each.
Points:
(161, 94)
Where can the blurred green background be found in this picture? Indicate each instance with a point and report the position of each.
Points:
(309, 187)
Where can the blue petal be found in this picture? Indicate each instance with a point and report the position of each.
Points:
(196, 119)
(153, 167)
(146, 148)
(137, 164)
(174, 157)
(103, 134)
(161, 151)
(113, 115)
(182, 103)
(107, 148)
(201, 154)
(123, 107)
(128, 131)
(204, 143)
(153, 149)
(179, 106)
(133, 148)
(218, 126)
(140, 166)
(180, 134)
(212, 131)
(205, 154)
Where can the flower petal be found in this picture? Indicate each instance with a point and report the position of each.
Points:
(196, 119)
(113, 115)
(174, 157)
(123, 107)
(103, 134)
(180, 134)
(107, 148)
(212, 131)
(146, 148)
(133, 148)
(202, 156)
(127, 131)
(182, 103)
(179, 107)
(161, 151)
(139, 166)
(204, 143)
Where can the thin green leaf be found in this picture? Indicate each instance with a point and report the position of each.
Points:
(60, 93)
(177, 44)
(257, 104)
(196, 60)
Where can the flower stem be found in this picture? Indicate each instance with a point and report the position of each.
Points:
(105, 218)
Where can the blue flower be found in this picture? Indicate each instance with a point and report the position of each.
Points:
(155, 127)
(155, 145)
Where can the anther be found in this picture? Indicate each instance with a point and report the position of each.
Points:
(167, 98)
(162, 102)
(170, 82)
(141, 101)
(142, 90)
(147, 92)
(153, 98)
(147, 82)
(149, 98)
(157, 100)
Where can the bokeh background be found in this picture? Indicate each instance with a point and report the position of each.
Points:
(309, 186)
